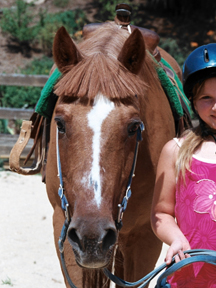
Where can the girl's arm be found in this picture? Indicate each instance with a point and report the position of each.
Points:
(163, 206)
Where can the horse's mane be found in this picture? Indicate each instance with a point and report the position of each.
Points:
(100, 71)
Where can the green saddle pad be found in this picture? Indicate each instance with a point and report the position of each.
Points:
(173, 91)
(46, 103)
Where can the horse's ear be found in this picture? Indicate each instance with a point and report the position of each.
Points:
(65, 51)
(133, 52)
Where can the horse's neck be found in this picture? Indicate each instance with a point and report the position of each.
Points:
(159, 122)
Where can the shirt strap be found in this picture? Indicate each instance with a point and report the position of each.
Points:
(177, 142)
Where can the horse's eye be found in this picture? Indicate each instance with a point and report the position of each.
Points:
(60, 124)
(132, 128)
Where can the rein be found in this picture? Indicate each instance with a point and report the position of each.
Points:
(65, 205)
(197, 255)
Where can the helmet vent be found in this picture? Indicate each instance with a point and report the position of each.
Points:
(206, 55)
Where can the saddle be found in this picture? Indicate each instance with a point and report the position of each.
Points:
(38, 127)
(123, 19)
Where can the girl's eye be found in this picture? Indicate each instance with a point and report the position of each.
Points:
(205, 97)
(132, 128)
(60, 124)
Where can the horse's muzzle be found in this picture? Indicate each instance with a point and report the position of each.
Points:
(92, 241)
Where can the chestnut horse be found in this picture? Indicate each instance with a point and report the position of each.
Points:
(108, 87)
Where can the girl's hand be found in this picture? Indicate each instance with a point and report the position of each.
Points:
(177, 248)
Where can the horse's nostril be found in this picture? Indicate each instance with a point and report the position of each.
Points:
(109, 239)
(72, 235)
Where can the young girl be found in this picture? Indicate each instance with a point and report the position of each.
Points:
(184, 202)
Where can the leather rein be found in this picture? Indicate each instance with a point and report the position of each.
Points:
(65, 205)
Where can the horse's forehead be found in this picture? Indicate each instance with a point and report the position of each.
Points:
(99, 112)
(96, 114)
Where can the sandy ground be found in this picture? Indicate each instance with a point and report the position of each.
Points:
(27, 254)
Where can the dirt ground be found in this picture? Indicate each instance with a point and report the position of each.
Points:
(27, 254)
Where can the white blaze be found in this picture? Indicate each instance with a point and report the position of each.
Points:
(101, 109)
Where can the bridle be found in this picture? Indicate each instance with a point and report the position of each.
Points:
(65, 205)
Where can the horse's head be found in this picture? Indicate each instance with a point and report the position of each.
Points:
(97, 115)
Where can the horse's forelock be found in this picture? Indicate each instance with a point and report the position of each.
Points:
(99, 74)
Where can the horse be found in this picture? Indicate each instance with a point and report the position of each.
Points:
(107, 89)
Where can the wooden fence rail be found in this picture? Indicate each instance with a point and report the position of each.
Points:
(7, 141)
(23, 80)
(15, 113)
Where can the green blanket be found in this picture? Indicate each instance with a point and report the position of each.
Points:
(47, 101)
(173, 91)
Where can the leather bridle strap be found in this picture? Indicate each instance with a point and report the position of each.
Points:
(122, 207)
(64, 202)
(65, 208)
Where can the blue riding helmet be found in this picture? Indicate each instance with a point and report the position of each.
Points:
(200, 65)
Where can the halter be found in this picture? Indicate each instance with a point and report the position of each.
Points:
(65, 205)
(122, 207)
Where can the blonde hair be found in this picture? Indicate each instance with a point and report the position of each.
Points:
(193, 139)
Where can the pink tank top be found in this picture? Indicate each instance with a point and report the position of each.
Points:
(195, 212)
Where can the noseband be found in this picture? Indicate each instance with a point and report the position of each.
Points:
(65, 205)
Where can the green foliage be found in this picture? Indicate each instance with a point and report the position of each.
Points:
(108, 8)
(40, 66)
(72, 20)
(18, 22)
(26, 97)
(171, 46)
(60, 3)
(21, 25)
(4, 126)
(20, 97)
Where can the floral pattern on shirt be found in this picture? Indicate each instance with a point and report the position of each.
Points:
(196, 217)
(205, 201)
(185, 203)
(204, 235)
